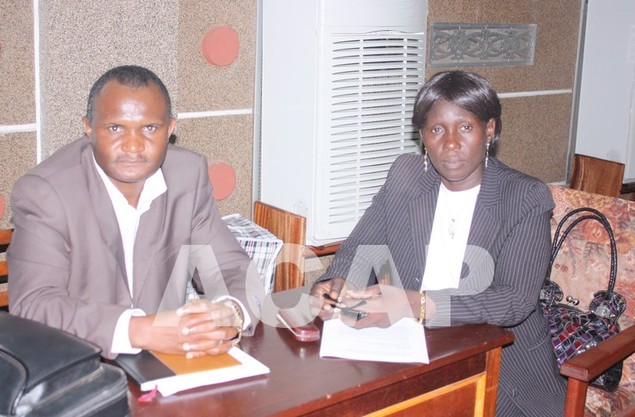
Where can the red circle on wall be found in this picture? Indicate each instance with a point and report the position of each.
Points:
(220, 46)
(223, 179)
(1, 206)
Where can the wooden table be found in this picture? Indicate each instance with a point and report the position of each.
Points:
(460, 380)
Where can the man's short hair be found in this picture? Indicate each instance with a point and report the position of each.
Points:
(131, 76)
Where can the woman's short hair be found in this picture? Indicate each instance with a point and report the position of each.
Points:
(467, 90)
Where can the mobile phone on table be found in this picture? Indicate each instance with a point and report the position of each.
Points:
(303, 328)
(353, 313)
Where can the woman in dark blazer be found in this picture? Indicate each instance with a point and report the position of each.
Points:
(465, 236)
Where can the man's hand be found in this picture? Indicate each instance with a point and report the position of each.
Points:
(198, 328)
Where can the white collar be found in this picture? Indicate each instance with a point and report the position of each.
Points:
(153, 187)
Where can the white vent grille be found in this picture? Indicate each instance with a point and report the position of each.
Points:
(372, 85)
(338, 84)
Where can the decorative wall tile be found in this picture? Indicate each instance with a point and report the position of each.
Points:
(220, 46)
(482, 44)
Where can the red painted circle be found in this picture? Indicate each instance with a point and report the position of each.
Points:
(223, 179)
(220, 46)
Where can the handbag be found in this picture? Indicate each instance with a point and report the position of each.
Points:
(46, 372)
(572, 330)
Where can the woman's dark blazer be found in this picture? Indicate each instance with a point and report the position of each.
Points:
(511, 223)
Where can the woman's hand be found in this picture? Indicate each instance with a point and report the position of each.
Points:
(379, 305)
(331, 291)
(325, 295)
(385, 305)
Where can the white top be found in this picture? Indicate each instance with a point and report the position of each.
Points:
(448, 240)
(127, 216)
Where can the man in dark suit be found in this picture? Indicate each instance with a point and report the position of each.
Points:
(110, 228)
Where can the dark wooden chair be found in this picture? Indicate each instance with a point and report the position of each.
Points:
(291, 229)
(5, 239)
(596, 175)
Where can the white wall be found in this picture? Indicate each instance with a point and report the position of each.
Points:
(606, 121)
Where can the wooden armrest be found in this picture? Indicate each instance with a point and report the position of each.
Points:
(588, 365)
(322, 250)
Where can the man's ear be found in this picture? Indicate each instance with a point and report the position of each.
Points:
(171, 127)
(87, 128)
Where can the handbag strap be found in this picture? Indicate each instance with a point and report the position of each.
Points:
(560, 236)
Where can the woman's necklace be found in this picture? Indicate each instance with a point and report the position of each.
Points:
(462, 202)
(451, 230)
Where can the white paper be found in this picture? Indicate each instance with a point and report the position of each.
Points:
(402, 342)
(249, 367)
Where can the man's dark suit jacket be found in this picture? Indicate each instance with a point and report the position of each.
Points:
(66, 256)
(511, 223)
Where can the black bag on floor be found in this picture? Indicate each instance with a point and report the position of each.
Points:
(48, 372)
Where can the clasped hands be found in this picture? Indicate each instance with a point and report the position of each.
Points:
(198, 328)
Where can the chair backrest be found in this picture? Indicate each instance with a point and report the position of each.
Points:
(291, 229)
(596, 175)
(5, 239)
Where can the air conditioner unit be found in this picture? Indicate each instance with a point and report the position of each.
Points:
(339, 80)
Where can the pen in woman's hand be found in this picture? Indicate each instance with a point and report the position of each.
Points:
(329, 300)
(342, 306)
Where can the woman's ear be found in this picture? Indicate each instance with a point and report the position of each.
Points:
(490, 129)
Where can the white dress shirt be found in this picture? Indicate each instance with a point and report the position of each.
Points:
(128, 219)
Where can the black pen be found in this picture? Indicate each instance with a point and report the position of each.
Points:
(338, 304)
(330, 300)
(347, 310)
